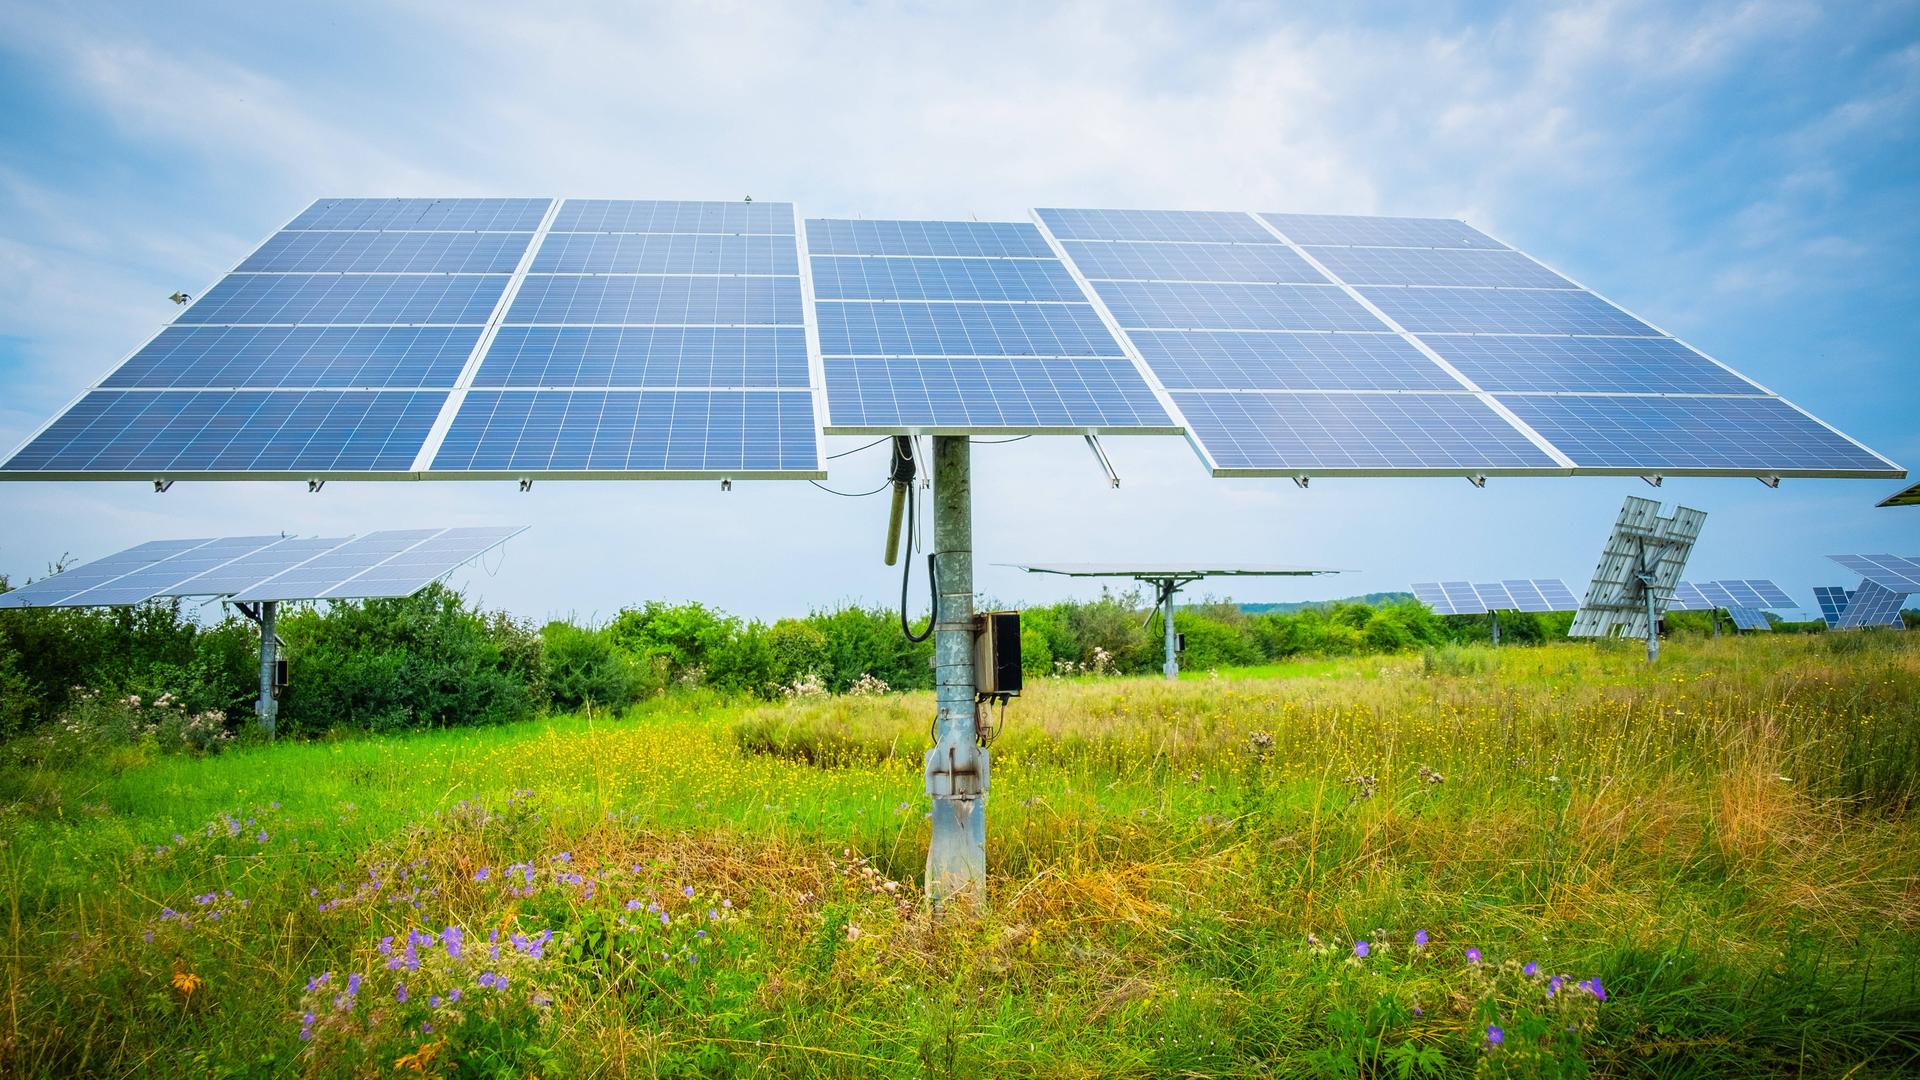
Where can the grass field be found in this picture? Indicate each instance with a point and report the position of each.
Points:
(1560, 863)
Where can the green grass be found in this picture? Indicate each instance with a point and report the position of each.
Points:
(1179, 874)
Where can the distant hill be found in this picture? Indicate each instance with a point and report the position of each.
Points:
(1375, 598)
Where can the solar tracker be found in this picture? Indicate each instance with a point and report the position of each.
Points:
(1749, 618)
(1904, 497)
(1873, 604)
(251, 568)
(645, 339)
(1513, 594)
(965, 327)
(1639, 570)
(1833, 601)
(1757, 593)
(1893, 572)
(1264, 335)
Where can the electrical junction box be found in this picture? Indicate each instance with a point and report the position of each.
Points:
(1179, 643)
(996, 653)
(279, 676)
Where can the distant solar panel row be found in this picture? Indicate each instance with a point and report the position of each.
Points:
(1709, 595)
(249, 568)
(964, 326)
(1519, 594)
(1895, 572)
(1749, 618)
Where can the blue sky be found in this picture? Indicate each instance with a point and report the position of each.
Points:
(1745, 175)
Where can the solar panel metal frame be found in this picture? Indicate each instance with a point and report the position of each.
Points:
(1615, 604)
(1909, 496)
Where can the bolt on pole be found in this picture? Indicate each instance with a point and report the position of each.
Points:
(956, 767)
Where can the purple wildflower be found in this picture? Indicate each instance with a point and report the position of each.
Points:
(433, 1000)
(1473, 956)
(262, 837)
(386, 945)
(452, 938)
(1495, 1036)
(319, 980)
(633, 905)
(353, 984)
(482, 874)
(453, 994)
(1420, 938)
(1361, 949)
(687, 891)
(1530, 970)
(1554, 984)
(400, 993)
(1593, 985)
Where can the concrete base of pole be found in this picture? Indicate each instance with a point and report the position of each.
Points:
(956, 767)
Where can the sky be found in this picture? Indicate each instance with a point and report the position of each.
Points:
(1744, 175)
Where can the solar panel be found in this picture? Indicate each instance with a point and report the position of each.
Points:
(250, 568)
(52, 590)
(1873, 604)
(1356, 433)
(1513, 594)
(162, 577)
(1833, 601)
(329, 351)
(965, 327)
(1644, 557)
(1749, 618)
(1306, 301)
(1904, 497)
(1894, 572)
(646, 338)
(397, 562)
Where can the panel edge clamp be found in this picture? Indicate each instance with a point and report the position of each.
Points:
(726, 483)
(1301, 482)
(526, 483)
(161, 487)
(1772, 480)
(1478, 480)
(313, 486)
(1654, 480)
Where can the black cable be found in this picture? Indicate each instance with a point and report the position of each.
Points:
(906, 572)
(850, 494)
(857, 449)
(997, 442)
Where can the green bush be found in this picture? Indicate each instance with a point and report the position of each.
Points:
(425, 661)
(582, 666)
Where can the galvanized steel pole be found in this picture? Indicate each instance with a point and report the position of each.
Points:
(268, 706)
(956, 767)
(1171, 668)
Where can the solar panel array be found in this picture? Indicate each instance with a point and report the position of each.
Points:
(1757, 593)
(1302, 344)
(965, 326)
(250, 568)
(1520, 594)
(522, 338)
(1897, 573)
(1909, 496)
(1644, 557)
(1747, 618)
(1873, 604)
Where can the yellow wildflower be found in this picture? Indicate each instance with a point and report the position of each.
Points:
(187, 982)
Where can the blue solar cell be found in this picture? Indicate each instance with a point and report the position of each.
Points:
(1689, 597)
(1437, 266)
(1673, 434)
(1431, 594)
(1747, 618)
(389, 253)
(854, 328)
(1190, 225)
(286, 299)
(1585, 365)
(1772, 596)
(1463, 597)
(175, 432)
(1172, 305)
(1121, 261)
(159, 579)
(694, 431)
(649, 216)
(841, 277)
(1833, 600)
(1504, 311)
(1285, 432)
(1494, 596)
(663, 301)
(1259, 360)
(327, 571)
(266, 357)
(643, 356)
(1557, 595)
(990, 393)
(665, 253)
(446, 215)
(413, 569)
(982, 239)
(1308, 229)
